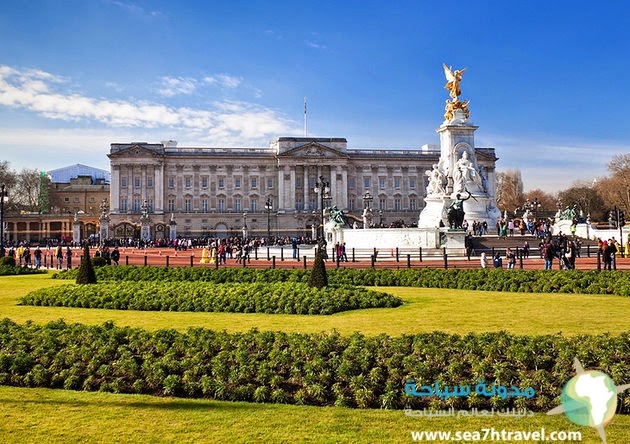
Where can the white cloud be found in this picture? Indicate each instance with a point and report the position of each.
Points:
(172, 86)
(223, 80)
(35, 91)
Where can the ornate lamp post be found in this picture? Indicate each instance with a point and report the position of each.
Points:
(244, 226)
(269, 207)
(145, 221)
(3, 196)
(323, 189)
(104, 222)
(367, 212)
(380, 216)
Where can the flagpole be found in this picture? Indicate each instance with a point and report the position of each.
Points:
(305, 123)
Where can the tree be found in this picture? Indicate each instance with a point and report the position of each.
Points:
(546, 202)
(615, 189)
(318, 278)
(585, 198)
(509, 190)
(86, 274)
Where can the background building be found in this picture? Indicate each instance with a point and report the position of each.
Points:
(73, 190)
(220, 192)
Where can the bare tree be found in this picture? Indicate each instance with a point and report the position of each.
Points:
(509, 190)
(615, 189)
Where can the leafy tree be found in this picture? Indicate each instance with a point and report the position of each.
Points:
(509, 190)
(86, 273)
(319, 278)
(587, 200)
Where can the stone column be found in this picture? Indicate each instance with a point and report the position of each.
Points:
(305, 185)
(76, 229)
(114, 189)
(281, 199)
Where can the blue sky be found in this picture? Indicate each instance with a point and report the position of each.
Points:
(545, 80)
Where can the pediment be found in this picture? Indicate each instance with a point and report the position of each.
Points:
(134, 151)
(313, 150)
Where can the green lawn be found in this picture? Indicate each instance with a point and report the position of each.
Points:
(425, 310)
(41, 415)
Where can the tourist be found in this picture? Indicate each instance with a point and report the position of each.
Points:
(68, 258)
(608, 252)
(497, 261)
(38, 257)
(115, 255)
(511, 258)
(59, 256)
(525, 249)
(547, 254)
(484, 260)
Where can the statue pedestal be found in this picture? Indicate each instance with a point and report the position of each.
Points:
(433, 212)
(76, 232)
(453, 240)
(481, 209)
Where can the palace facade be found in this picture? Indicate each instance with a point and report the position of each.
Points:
(221, 192)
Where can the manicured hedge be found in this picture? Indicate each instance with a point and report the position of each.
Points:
(533, 281)
(258, 297)
(317, 369)
(8, 270)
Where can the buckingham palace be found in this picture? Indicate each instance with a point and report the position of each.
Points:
(276, 190)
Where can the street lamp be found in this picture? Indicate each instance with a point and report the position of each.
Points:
(268, 207)
(3, 197)
(367, 199)
(380, 215)
(323, 189)
(244, 226)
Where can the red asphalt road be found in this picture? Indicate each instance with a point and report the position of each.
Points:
(160, 257)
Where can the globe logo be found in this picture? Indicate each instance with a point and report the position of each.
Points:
(589, 399)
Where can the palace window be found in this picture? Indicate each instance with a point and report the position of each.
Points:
(149, 182)
(299, 205)
(237, 183)
(204, 182)
(123, 205)
(136, 205)
(412, 183)
(366, 182)
(397, 183)
(171, 205)
(397, 204)
(381, 203)
(221, 183)
(351, 183)
(188, 182)
(204, 205)
(269, 183)
(123, 182)
(412, 203)
(221, 205)
(253, 205)
(254, 182)
(381, 183)
(136, 182)
(187, 205)
(237, 204)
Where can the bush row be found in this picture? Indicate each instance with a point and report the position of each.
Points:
(9, 270)
(536, 281)
(257, 297)
(316, 369)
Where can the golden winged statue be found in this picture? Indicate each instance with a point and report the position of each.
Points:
(453, 78)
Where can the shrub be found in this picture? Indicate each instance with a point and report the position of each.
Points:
(256, 297)
(296, 368)
(7, 260)
(319, 278)
(86, 274)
